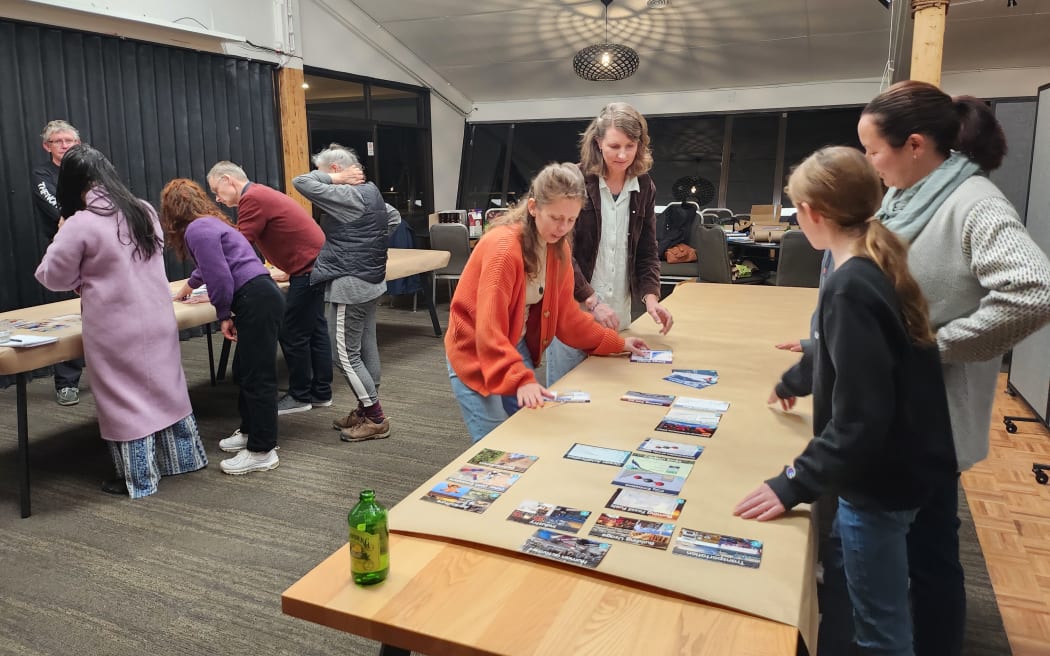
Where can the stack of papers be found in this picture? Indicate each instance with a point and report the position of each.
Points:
(28, 341)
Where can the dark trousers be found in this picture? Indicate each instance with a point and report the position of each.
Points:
(938, 593)
(67, 374)
(257, 309)
(304, 342)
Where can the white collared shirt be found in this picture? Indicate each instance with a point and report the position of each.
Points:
(610, 279)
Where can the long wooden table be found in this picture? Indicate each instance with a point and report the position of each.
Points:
(447, 596)
(401, 262)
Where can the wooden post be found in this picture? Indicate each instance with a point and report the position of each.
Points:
(294, 135)
(927, 45)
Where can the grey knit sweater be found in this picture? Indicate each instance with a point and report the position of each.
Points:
(988, 286)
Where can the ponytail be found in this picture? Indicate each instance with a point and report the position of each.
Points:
(981, 137)
(890, 254)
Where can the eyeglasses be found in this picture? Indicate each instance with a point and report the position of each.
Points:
(62, 142)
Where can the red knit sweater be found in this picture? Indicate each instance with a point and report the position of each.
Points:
(488, 312)
(281, 229)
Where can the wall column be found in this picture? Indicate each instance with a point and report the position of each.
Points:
(927, 46)
(295, 145)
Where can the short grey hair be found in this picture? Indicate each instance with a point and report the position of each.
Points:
(336, 154)
(58, 126)
(227, 168)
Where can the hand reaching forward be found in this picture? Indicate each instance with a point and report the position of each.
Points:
(762, 504)
(532, 395)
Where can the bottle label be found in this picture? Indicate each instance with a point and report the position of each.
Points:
(368, 551)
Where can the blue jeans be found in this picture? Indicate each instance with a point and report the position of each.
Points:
(482, 414)
(872, 549)
(304, 341)
(561, 359)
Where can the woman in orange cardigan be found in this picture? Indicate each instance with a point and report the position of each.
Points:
(514, 297)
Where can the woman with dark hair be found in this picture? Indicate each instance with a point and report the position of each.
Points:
(108, 249)
(249, 307)
(988, 285)
(614, 251)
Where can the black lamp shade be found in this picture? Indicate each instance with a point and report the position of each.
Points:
(605, 62)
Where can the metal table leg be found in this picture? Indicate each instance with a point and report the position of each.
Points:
(428, 292)
(23, 443)
(390, 650)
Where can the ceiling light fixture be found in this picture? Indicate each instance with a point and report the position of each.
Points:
(605, 62)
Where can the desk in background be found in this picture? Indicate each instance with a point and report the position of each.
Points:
(20, 362)
(450, 596)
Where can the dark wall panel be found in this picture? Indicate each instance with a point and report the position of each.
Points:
(157, 112)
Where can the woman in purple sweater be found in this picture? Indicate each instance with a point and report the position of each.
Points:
(249, 307)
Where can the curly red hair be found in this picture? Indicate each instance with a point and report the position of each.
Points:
(183, 201)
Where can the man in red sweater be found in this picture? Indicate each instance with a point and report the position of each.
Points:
(290, 239)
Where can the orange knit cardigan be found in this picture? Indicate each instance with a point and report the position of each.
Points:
(488, 312)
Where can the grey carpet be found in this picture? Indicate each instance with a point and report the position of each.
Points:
(199, 567)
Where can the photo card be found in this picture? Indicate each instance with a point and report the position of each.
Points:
(565, 548)
(597, 454)
(548, 515)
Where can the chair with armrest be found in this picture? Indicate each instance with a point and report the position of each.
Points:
(671, 273)
(454, 238)
(717, 216)
(799, 263)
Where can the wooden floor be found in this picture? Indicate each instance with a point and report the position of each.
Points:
(1011, 513)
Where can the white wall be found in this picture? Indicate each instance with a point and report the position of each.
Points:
(984, 84)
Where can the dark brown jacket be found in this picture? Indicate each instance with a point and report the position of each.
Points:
(643, 262)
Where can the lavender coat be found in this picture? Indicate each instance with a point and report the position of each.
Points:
(131, 341)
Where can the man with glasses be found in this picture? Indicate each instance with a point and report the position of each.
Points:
(290, 239)
(57, 138)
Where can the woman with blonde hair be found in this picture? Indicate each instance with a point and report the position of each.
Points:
(880, 414)
(615, 258)
(514, 297)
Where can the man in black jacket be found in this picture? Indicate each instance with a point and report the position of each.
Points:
(57, 138)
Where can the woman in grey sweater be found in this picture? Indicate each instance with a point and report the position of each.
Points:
(988, 287)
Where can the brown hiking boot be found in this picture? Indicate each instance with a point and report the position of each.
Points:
(349, 421)
(366, 430)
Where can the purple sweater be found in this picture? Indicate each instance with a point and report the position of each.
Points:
(225, 261)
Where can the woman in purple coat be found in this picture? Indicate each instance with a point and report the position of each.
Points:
(109, 250)
(248, 304)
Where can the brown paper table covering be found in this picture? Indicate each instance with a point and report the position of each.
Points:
(728, 328)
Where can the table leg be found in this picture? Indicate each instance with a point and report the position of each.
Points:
(23, 443)
(211, 354)
(224, 356)
(428, 293)
(390, 650)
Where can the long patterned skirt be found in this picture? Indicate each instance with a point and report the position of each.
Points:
(176, 449)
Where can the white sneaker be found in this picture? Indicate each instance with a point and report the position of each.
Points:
(235, 442)
(246, 462)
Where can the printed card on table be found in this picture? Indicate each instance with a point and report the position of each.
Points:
(574, 396)
(700, 405)
(460, 496)
(650, 504)
(648, 399)
(672, 449)
(597, 454)
(719, 548)
(655, 535)
(565, 548)
(518, 462)
(695, 378)
(653, 357)
(687, 422)
(484, 478)
(548, 515)
(656, 474)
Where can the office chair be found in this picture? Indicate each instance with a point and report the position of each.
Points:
(712, 252)
(672, 273)
(454, 238)
(799, 263)
(717, 216)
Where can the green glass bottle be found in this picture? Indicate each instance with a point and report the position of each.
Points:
(369, 541)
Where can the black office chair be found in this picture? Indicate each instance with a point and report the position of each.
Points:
(673, 273)
(454, 238)
(799, 263)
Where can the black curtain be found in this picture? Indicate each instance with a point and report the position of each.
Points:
(157, 112)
